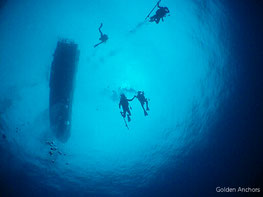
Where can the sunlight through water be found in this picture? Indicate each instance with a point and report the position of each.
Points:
(180, 64)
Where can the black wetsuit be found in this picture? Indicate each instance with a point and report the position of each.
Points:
(160, 14)
(103, 37)
(140, 96)
(124, 103)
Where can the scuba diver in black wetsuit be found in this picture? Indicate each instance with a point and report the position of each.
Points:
(140, 96)
(103, 37)
(160, 14)
(124, 103)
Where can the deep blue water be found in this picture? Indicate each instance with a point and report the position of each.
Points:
(201, 69)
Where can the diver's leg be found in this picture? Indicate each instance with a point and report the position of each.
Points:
(157, 20)
(100, 30)
(147, 107)
(129, 112)
(128, 115)
(123, 114)
(101, 34)
(145, 113)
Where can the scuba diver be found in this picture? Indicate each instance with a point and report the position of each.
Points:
(103, 37)
(160, 13)
(124, 103)
(140, 96)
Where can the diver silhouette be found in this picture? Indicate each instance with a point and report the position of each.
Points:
(140, 96)
(103, 37)
(160, 13)
(124, 103)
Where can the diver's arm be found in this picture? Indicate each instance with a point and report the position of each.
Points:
(131, 99)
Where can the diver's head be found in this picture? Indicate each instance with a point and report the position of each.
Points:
(123, 96)
(140, 92)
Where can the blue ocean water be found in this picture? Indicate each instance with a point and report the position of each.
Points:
(200, 68)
